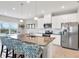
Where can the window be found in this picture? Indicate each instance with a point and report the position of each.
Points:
(13, 28)
(30, 26)
(8, 28)
(4, 28)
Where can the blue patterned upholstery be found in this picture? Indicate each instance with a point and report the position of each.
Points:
(29, 50)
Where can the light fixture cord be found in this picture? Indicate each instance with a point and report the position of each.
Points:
(22, 9)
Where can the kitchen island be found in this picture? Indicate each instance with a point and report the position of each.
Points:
(44, 42)
(40, 40)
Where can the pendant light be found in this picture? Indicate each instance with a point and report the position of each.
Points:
(21, 24)
(21, 12)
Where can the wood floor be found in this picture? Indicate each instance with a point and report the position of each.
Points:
(59, 52)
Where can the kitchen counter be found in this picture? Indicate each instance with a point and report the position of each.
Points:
(37, 40)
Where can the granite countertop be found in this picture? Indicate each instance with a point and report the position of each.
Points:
(37, 40)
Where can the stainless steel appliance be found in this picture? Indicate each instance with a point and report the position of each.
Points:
(70, 33)
(47, 33)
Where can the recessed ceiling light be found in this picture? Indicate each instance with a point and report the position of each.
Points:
(62, 6)
(13, 8)
(21, 20)
(35, 18)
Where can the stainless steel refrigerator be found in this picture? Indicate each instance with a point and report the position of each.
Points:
(70, 35)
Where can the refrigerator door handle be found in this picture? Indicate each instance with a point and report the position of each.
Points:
(63, 33)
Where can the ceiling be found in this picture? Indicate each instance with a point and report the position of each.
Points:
(34, 8)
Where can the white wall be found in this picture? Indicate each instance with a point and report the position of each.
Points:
(31, 22)
(57, 20)
(40, 22)
(28, 30)
(46, 19)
